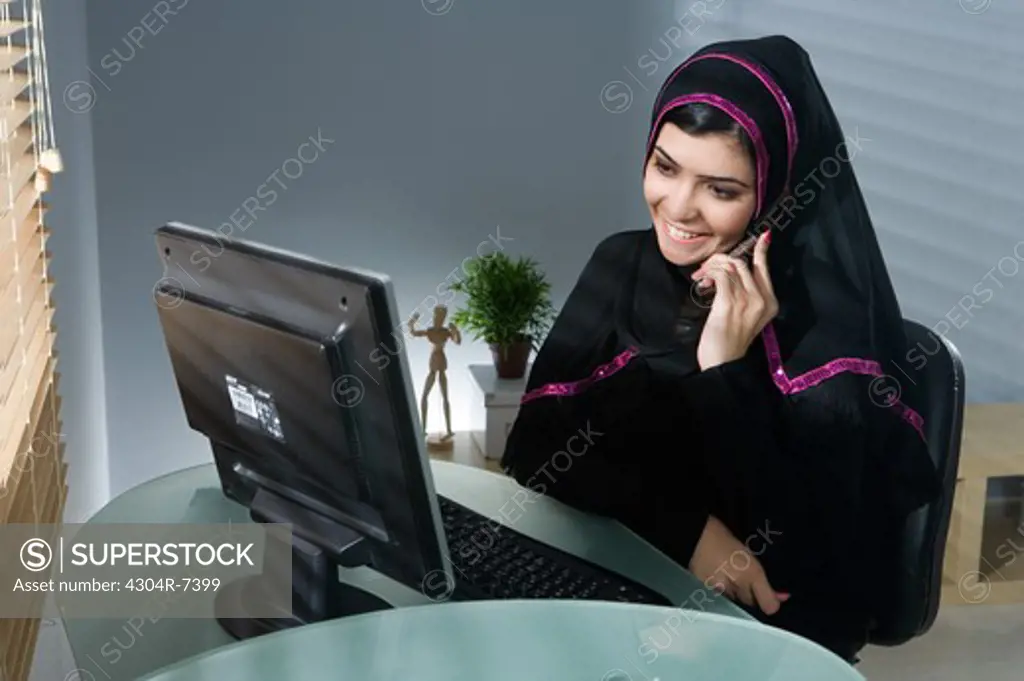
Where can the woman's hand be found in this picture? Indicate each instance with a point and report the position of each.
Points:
(744, 303)
(720, 561)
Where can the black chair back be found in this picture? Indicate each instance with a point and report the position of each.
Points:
(940, 395)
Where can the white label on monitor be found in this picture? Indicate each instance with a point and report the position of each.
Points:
(254, 407)
(242, 401)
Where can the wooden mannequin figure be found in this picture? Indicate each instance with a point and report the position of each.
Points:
(438, 335)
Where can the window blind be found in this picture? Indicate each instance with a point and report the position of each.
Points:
(937, 88)
(32, 469)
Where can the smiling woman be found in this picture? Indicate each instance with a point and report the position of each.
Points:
(753, 411)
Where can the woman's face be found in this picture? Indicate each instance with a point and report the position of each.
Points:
(701, 194)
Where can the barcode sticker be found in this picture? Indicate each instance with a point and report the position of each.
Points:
(254, 407)
(243, 402)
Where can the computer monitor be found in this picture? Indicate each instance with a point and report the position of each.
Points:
(295, 371)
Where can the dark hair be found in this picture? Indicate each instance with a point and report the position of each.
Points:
(698, 118)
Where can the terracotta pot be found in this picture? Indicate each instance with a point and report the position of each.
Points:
(510, 359)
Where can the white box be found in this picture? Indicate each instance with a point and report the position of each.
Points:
(495, 406)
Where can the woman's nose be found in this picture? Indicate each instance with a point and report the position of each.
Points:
(681, 205)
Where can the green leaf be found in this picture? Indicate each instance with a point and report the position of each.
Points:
(506, 300)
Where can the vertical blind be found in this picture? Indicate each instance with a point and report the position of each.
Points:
(32, 469)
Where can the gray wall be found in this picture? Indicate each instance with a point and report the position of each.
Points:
(449, 126)
(75, 268)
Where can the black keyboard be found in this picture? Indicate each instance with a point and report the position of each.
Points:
(491, 561)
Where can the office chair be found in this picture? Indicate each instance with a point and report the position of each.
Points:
(940, 396)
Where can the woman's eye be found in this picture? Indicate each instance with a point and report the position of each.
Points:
(663, 167)
(722, 193)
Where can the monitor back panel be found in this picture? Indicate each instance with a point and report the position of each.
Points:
(330, 342)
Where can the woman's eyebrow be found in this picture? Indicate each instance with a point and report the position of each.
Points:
(713, 178)
(665, 154)
(718, 178)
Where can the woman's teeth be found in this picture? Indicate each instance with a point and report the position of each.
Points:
(680, 234)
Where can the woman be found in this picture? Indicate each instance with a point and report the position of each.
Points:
(736, 409)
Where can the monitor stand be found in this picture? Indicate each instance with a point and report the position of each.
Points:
(316, 594)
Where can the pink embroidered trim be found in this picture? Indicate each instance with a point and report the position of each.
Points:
(789, 386)
(760, 150)
(576, 387)
(792, 138)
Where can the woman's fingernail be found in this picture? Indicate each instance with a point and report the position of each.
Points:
(768, 237)
(782, 596)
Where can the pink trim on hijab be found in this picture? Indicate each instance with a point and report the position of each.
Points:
(785, 384)
(571, 388)
(790, 386)
(792, 137)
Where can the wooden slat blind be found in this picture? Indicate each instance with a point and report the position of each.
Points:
(32, 469)
(10, 55)
(25, 306)
(9, 27)
(11, 85)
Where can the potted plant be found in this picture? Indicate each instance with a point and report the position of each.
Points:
(508, 306)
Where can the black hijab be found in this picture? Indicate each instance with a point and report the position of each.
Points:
(838, 311)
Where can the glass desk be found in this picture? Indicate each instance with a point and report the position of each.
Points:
(523, 641)
(121, 649)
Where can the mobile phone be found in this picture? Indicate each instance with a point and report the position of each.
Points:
(745, 248)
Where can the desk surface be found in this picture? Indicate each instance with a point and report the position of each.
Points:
(523, 640)
(993, 441)
(120, 649)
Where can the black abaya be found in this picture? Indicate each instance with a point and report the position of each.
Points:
(788, 446)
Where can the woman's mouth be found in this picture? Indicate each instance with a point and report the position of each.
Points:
(682, 236)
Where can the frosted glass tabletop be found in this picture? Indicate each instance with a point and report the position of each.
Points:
(523, 641)
(123, 649)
